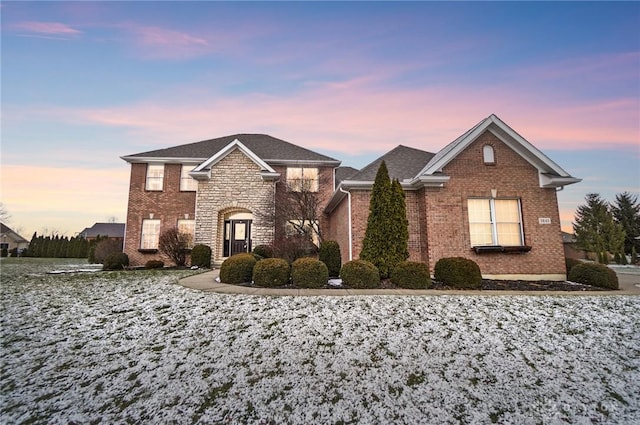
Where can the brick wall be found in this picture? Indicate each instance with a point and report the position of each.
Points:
(168, 206)
(512, 177)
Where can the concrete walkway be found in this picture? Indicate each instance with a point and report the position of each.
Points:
(629, 285)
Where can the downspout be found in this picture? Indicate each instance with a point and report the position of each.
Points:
(349, 220)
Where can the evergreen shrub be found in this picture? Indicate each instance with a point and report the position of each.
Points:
(154, 264)
(309, 273)
(201, 256)
(4, 252)
(238, 268)
(264, 251)
(411, 275)
(571, 263)
(360, 274)
(271, 272)
(116, 261)
(330, 255)
(458, 272)
(595, 275)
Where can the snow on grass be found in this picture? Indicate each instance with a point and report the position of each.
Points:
(136, 347)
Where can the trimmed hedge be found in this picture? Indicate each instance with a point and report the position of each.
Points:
(154, 264)
(264, 251)
(329, 254)
(360, 274)
(571, 263)
(411, 275)
(309, 273)
(201, 256)
(458, 272)
(238, 268)
(271, 272)
(116, 261)
(595, 275)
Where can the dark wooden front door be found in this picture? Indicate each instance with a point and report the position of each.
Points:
(237, 237)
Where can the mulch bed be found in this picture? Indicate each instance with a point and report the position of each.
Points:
(513, 285)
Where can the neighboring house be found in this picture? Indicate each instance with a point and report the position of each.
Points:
(112, 230)
(489, 195)
(10, 239)
(571, 250)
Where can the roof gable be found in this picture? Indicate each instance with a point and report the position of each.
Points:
(551, 174)
(236, 144)
(269, 149)
(402, 162)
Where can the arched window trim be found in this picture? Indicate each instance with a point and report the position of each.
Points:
(488, 155)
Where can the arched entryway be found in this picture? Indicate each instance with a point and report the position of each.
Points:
(237, 233)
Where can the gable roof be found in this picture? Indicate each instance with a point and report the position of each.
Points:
(343, 173)
(5, 230)
(551, 174)
(113, 230)
(269, 149)
(402, 163)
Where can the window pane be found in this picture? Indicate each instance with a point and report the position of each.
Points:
(155, 175)
(481, 234)
(188, 227)
(488, 155)
(479, 211)
(150, 234)
(302, 179)
(187, 183)
(509, 234)
(508, 222)
(507, 211)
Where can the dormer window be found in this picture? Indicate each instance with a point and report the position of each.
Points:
(488, 155)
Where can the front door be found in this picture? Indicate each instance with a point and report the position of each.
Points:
(237, 237)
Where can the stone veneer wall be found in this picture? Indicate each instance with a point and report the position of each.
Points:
(235, 186)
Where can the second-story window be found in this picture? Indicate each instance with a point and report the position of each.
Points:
(155, 177)
(302, 179)
(187, 183)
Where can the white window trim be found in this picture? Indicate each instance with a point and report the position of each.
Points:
(142, 234)
(155, 178)
(494, 223)
(187, 183)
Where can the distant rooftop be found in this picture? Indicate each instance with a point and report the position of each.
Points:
(113, 230)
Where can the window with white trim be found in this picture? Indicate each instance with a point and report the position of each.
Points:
(187, 183)
(150, 234)
(302, 179)
(155, 177)
(488, 155)
(495, 222)
(188, 227)
(306, 227)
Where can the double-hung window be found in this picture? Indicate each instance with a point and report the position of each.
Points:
(188, 228)
(302, 179)
(495, 222)
(187, 183)
(150, 234)
(155, 176)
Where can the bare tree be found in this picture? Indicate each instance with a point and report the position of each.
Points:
(174, 245)
(4, 214)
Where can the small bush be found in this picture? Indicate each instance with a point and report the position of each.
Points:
(237, 269)
(360, 274)
(309, 273)
(105, 248)
(571, 263)
(4, 252)
(201, 256)
(329, 254)
(265, 251)
(117, 261)
(271, 272)
(14, 252)
(411, 275)
(458, 272)
(154, 264)
(595, 275)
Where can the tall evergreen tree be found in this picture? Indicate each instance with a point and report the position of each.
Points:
(626, 212)
(386, 236)
(595, 229)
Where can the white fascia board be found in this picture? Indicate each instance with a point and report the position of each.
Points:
(356, 184)
(548, 181)
(269, 176)
(162, 160)
(312, 163)
(201, 175)
(236, 144)
(428, 181)
(336, 198)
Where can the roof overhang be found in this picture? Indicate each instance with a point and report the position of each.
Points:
(162, 160)
(551, 181)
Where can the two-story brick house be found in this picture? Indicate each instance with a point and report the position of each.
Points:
(489, 195)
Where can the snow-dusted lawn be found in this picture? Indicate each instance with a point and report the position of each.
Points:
(136, 347)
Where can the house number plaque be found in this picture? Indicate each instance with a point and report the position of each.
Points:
(544, 220)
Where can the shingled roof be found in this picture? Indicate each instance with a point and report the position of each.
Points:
(402, 162)
(113, 230)
(268, 148)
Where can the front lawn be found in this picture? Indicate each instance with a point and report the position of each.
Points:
(136, 347)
